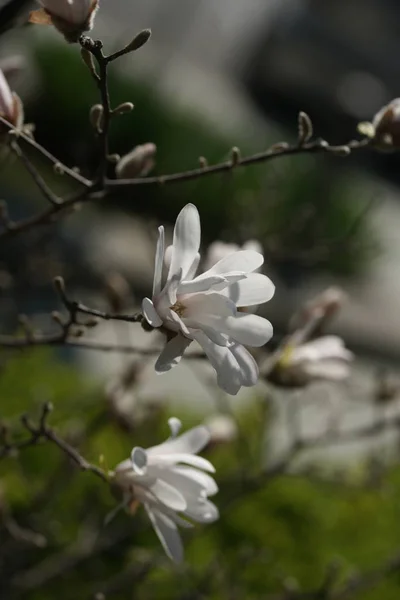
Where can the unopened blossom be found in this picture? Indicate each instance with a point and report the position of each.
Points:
(219, 250)
(70, 17)
(10, 105)
(137, 163)
(206, 308)
(325, 358)
(384, 130)
(172, 483)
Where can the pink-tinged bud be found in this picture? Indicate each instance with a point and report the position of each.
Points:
(137, 163)
(70, 17)
(10, 105)
(384, 130)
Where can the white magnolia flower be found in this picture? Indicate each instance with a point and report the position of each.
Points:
(10, 105)
(170, 479)
(70, 17)
(205, 308)
(323, 358)
(219, 250)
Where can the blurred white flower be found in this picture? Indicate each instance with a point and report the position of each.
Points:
(205, 308)
(170, 479)
(219, 250)
(70, 17)
(10, 105)
(323, 358)
(222, 428)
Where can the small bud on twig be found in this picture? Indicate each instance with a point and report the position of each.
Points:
(123, 109)
(59, 286)
(96, 117)
(137, 163)
(117, 291)
(203, 162)
(138, 41)
(113, 158)
(235, 156)
(340, 150)
(306, 129)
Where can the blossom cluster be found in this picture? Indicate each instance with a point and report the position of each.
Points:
(211, 303)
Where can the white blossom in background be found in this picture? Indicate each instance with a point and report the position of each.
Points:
(10, 105)
(70, 17)
(324, 358)
(172, 482)
(206, 308)
(223, 429)
(219, 250)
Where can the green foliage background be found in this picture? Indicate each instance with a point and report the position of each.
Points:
(288, 527)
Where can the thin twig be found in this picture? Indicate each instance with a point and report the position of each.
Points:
(41, 431)
(31, 142)
(34, 173)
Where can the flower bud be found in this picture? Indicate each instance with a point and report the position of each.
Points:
(384, 130)
(70, 17)
(10, 105)
(137, 163)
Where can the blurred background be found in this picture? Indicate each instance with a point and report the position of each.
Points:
(216, 74)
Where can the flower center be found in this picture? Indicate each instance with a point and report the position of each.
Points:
(179, 308)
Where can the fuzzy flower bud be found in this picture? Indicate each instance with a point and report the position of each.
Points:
(384, 130)
(325, 358)
(137, 163)
(70, 17)
(10, 105)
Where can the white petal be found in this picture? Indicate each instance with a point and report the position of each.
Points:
(168, 534)
(171, 287)
(335, 370)
(251, 330)
(203, 512)
(201, 284)
(244, 260)
(215, 336)
(328, 346)
(175, 426)
(168, 256)
(224, 363)
(139, 460)
(150, 313)
(255, 289)
(192, 271)
(172, 353)
(186, 242)
(216, 251)
(207, 482)
(190, 442)
(158, 262)
(210, 303)
(247, 364)
(253, 245)
(188, 459)
(180, 324)
(168, 494)
(229, 278)
(191, 489)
